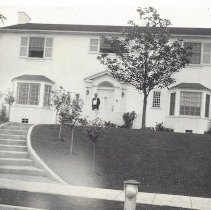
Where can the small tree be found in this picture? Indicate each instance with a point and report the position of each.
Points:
(95, 131)
(70, 114)
(9, 99)
(144, 57)
(59, 98)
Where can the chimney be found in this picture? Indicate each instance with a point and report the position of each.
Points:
(23, 18)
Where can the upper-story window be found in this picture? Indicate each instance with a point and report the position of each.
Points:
(156, 99)
(47, 95)
(36, 47)
(28, 93)
(98, 45)
(200, 52)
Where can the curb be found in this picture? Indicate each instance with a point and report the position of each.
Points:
(38, 160)
(4, 124)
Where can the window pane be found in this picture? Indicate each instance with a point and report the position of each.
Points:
(23, 92)
(47, 95)
(105, 47)
(207, 105)
(195, 49)
(36, 47)
(172, 103)
(190, 103)
(34, 94)
(156, 99)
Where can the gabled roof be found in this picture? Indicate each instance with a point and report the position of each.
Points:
(29, 77)
(192, 86)
(94, 76)
(99, 28)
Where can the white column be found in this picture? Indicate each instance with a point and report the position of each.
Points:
(41, 96)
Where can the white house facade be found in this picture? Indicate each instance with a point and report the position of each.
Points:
(40, 57)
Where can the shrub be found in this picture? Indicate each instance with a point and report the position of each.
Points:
(161, 127)
(3, 114)
(128, 118)
(110, 124)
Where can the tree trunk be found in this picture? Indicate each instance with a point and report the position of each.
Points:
(144, 111)
(60, 132)
(93, 159)
(72, 140)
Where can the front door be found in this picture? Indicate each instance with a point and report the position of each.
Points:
(106, 100)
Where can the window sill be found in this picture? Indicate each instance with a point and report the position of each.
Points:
(189, 117)
(35, 59)
(158, 108)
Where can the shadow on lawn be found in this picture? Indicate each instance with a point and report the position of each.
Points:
(163, 162)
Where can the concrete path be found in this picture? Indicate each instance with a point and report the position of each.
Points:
(108, 194)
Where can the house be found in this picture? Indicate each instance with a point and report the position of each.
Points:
(40, 57)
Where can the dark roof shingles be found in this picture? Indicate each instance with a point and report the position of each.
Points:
(28, 77)
(192, 86)
(101, 28)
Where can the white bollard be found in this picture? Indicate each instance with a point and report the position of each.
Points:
(131, 191)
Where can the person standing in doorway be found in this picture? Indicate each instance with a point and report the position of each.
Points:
(96, 104)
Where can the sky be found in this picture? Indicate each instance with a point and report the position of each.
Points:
(181, 13)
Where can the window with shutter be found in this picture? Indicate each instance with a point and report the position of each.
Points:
(172, 103)
(207, 105)
(36, 47)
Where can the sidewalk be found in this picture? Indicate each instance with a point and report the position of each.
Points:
(107, 194)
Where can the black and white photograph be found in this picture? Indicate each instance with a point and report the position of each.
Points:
(105, 105)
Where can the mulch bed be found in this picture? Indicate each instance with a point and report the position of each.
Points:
(163, 162)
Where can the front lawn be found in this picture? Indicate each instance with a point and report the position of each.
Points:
(170, 163)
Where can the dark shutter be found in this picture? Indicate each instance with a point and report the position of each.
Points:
(172, 103)
(207, 105)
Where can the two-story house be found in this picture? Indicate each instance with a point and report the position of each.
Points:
(39, 57)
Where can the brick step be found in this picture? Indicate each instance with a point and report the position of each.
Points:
(26, 170)
(24, 128)
(12, 131)
(19, 124)
(13, 154)
(16, 161)
(26, 178)
(9, 136)
(13, 148)
(12, 142)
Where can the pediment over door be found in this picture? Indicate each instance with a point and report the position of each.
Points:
(111, 92)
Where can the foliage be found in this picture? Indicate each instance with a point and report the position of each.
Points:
(161, 127)
(3, 114)
(95, 134)
(9, 99)
(144, 57)
(68, 109)
(128, 118)
(110, 124)
(2, 18)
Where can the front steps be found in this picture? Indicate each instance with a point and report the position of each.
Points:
(15, 160)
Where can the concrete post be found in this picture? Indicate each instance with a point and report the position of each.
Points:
(131, 191)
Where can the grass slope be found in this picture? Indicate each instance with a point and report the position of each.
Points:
(170, 163)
